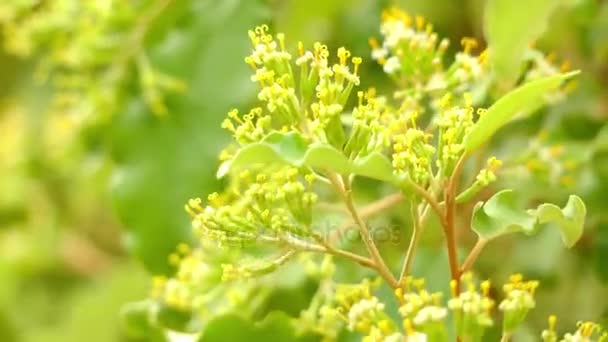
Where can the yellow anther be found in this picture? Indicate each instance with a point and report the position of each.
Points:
(300, 48)
(281, 39)
(357, 62)
(343, 55)
(385, 326)
(360, 96)
(468, 43)
(408, 327)
(485, 288)
(420, 22)
(251, 63)
(516, 278)
(552, 322)
(483, 57)
(481, 111)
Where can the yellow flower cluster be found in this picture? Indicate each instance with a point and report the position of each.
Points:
(412, 54)
(519, 300)
(310, 101)
(272, 207)
(471, 308)
(421, 310)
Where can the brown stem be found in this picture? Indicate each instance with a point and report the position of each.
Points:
(470, 260)
(449, 226)
(363, 230)
(428, 197)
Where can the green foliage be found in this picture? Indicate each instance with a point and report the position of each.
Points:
(501, 215)
(510, 30)
(524, 99)
(333, 195)
(292, 149)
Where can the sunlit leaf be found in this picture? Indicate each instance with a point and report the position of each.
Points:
(510, 28)
(521, 99)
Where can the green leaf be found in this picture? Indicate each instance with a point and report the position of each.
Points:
(570, 219)
(524, 98)
(291, 149)
(501, 215)
(375, 166)
(177, 320)
(276, 327)
(510, 29)
(137, 321)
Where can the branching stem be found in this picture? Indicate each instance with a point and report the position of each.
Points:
(448, 220)
(346, 192)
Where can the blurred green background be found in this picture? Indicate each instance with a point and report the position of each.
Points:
(92, 190)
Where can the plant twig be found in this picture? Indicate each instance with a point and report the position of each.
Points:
(449, 226)
(470, 260)
(412, 245)
(368, 211)
(346, 193)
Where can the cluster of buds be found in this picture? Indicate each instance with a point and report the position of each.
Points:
(369, 126)
(518, 301)
(273, 207)
(179, 291)
(412, 153)
(421, 310)
(471, 308)
(485, 176)
(362, 312)
(412, 54)
(454, 123)
(585, 332)
(310, 101)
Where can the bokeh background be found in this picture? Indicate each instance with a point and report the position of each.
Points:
(100, 148)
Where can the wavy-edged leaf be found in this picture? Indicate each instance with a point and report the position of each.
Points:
(501, 215)
(523, 98)
(570, 219)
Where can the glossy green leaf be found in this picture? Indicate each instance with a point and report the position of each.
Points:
(501, 215)
(521, 99)
(510, 28)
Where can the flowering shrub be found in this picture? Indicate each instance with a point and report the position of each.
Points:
(314, 137)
